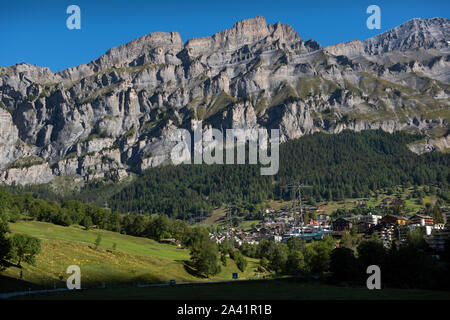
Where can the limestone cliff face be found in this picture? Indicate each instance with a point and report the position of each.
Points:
(441, 144)
(36, 174)
(116, 114)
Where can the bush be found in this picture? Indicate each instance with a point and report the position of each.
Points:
(223, 259)
(241, 262)
(98, 241)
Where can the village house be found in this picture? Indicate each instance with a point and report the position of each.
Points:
(421, 220)
(366, 222)
(342, 224)
(354, 219)
(370, 218)
(445, 214)
(385, 231)
(425, 229)
(276, 238)
(238, 241)
(438, 238)
(323, 221)
(284, 218)
(362, 226)
(397, 220)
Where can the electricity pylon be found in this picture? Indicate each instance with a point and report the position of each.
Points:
(228, 211)
(297, 206)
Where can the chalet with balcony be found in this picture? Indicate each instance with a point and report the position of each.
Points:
(421, 220)
(393, 219)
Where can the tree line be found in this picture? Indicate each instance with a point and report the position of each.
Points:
(409, 265)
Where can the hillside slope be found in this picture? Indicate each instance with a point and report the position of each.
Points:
(135, 260)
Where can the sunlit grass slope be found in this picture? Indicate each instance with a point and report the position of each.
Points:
(135, 259)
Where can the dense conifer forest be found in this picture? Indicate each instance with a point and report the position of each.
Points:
(338, 166)
(348, 165)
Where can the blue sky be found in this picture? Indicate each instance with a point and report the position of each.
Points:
(35, 32)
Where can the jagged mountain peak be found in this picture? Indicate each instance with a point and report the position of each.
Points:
(245, 32)
(416, 33)
(245, 26)
(413, 34)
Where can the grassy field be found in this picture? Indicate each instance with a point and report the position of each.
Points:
(216, 218)
(248, 290)
(350, 203)
(135, 260)
(246, 225)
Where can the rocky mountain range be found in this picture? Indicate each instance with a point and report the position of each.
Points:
(113, 116)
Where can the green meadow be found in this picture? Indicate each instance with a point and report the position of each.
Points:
(134, 259)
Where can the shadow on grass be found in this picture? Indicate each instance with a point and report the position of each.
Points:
(8, 284)
(6, 264)
(191, 270)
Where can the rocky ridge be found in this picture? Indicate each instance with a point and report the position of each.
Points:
(115, 115)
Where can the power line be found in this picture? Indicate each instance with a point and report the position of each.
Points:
(200, 217)
(228, 210)
(297, 187)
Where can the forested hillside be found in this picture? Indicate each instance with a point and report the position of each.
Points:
(348, 164)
